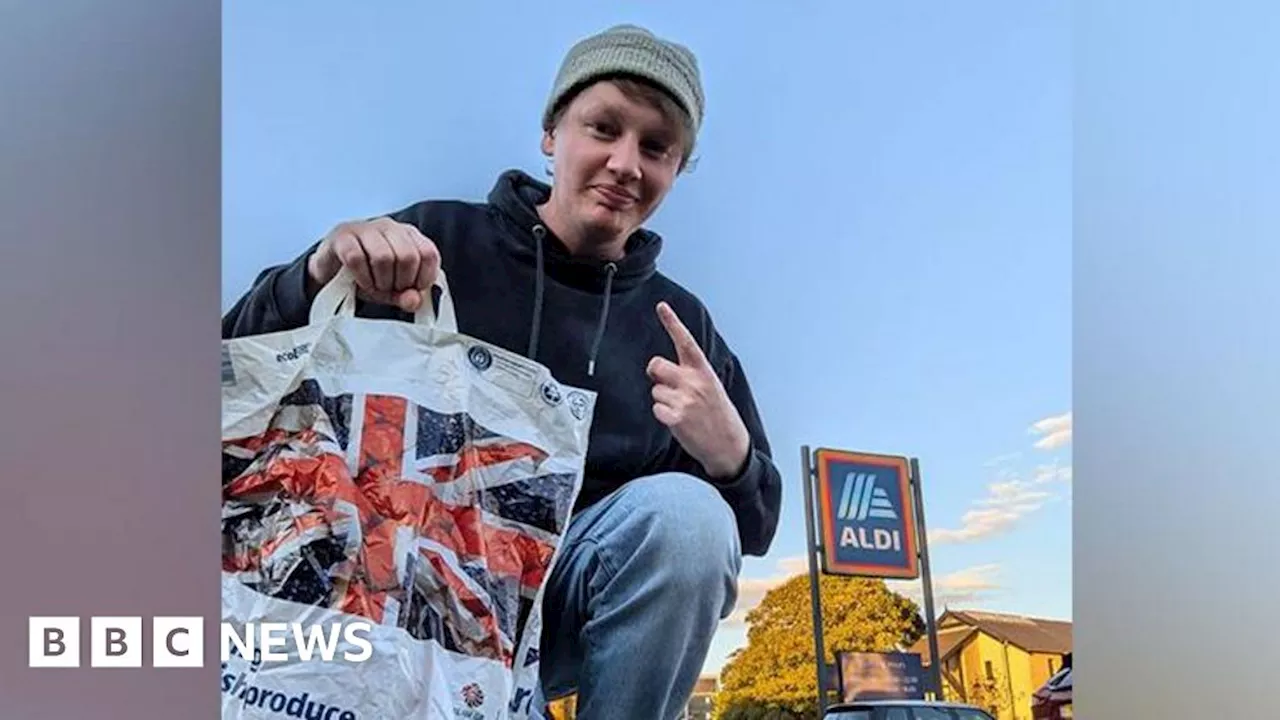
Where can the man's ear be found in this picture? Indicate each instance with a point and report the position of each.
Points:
(548, 143)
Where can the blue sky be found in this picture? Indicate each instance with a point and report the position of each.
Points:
(880, 221)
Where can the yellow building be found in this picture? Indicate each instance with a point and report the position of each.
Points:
(997, 661)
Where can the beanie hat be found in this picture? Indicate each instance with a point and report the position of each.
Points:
(631, 50)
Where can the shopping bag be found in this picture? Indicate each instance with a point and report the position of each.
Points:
(402, 475)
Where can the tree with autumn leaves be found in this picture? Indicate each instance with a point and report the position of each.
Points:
(773, 677)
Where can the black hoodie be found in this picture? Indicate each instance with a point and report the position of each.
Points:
(592, 323)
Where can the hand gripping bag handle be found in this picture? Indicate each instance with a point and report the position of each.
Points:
(338, 297)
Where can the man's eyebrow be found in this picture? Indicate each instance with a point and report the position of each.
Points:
(665, 133)
(601, 106)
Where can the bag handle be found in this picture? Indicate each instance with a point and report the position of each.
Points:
(338, 297)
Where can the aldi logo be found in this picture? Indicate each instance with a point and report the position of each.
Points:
(862, 499)
(866, 515)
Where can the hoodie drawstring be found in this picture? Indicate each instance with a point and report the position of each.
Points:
(610, 269)
(538, 232)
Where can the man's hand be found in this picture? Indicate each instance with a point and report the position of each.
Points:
(690, 400)
(393, 263)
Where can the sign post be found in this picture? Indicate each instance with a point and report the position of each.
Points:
(870, 523)
(935, 662)
(815, 595)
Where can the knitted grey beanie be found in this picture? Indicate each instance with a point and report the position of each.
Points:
(631, 50)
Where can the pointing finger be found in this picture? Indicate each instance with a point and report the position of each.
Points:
(687, 350)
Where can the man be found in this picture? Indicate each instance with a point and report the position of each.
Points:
(679, 481)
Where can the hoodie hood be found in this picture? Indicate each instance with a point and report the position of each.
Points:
(517, 196)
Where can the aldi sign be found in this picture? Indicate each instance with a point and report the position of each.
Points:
(866, 514)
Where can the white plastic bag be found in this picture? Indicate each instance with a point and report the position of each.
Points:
(401, 474)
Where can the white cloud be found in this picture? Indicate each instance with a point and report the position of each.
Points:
(1010, 497)
(793, 565)
(970, 586)
(1046, 474)
(1007, 501)
(1054, 431)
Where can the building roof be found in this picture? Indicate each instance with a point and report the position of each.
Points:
(949, 638)
(706, 684)
(1036, 635)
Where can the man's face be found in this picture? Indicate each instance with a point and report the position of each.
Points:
(615, 160)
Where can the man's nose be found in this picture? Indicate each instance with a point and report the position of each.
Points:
(624, 161)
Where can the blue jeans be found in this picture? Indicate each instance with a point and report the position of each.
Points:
(642, 581)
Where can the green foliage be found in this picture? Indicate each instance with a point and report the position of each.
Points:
(774, 678)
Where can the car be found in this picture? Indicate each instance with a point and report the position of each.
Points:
(905, 710)
(1053, 700)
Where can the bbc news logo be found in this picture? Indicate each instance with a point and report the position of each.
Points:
(178, 642)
